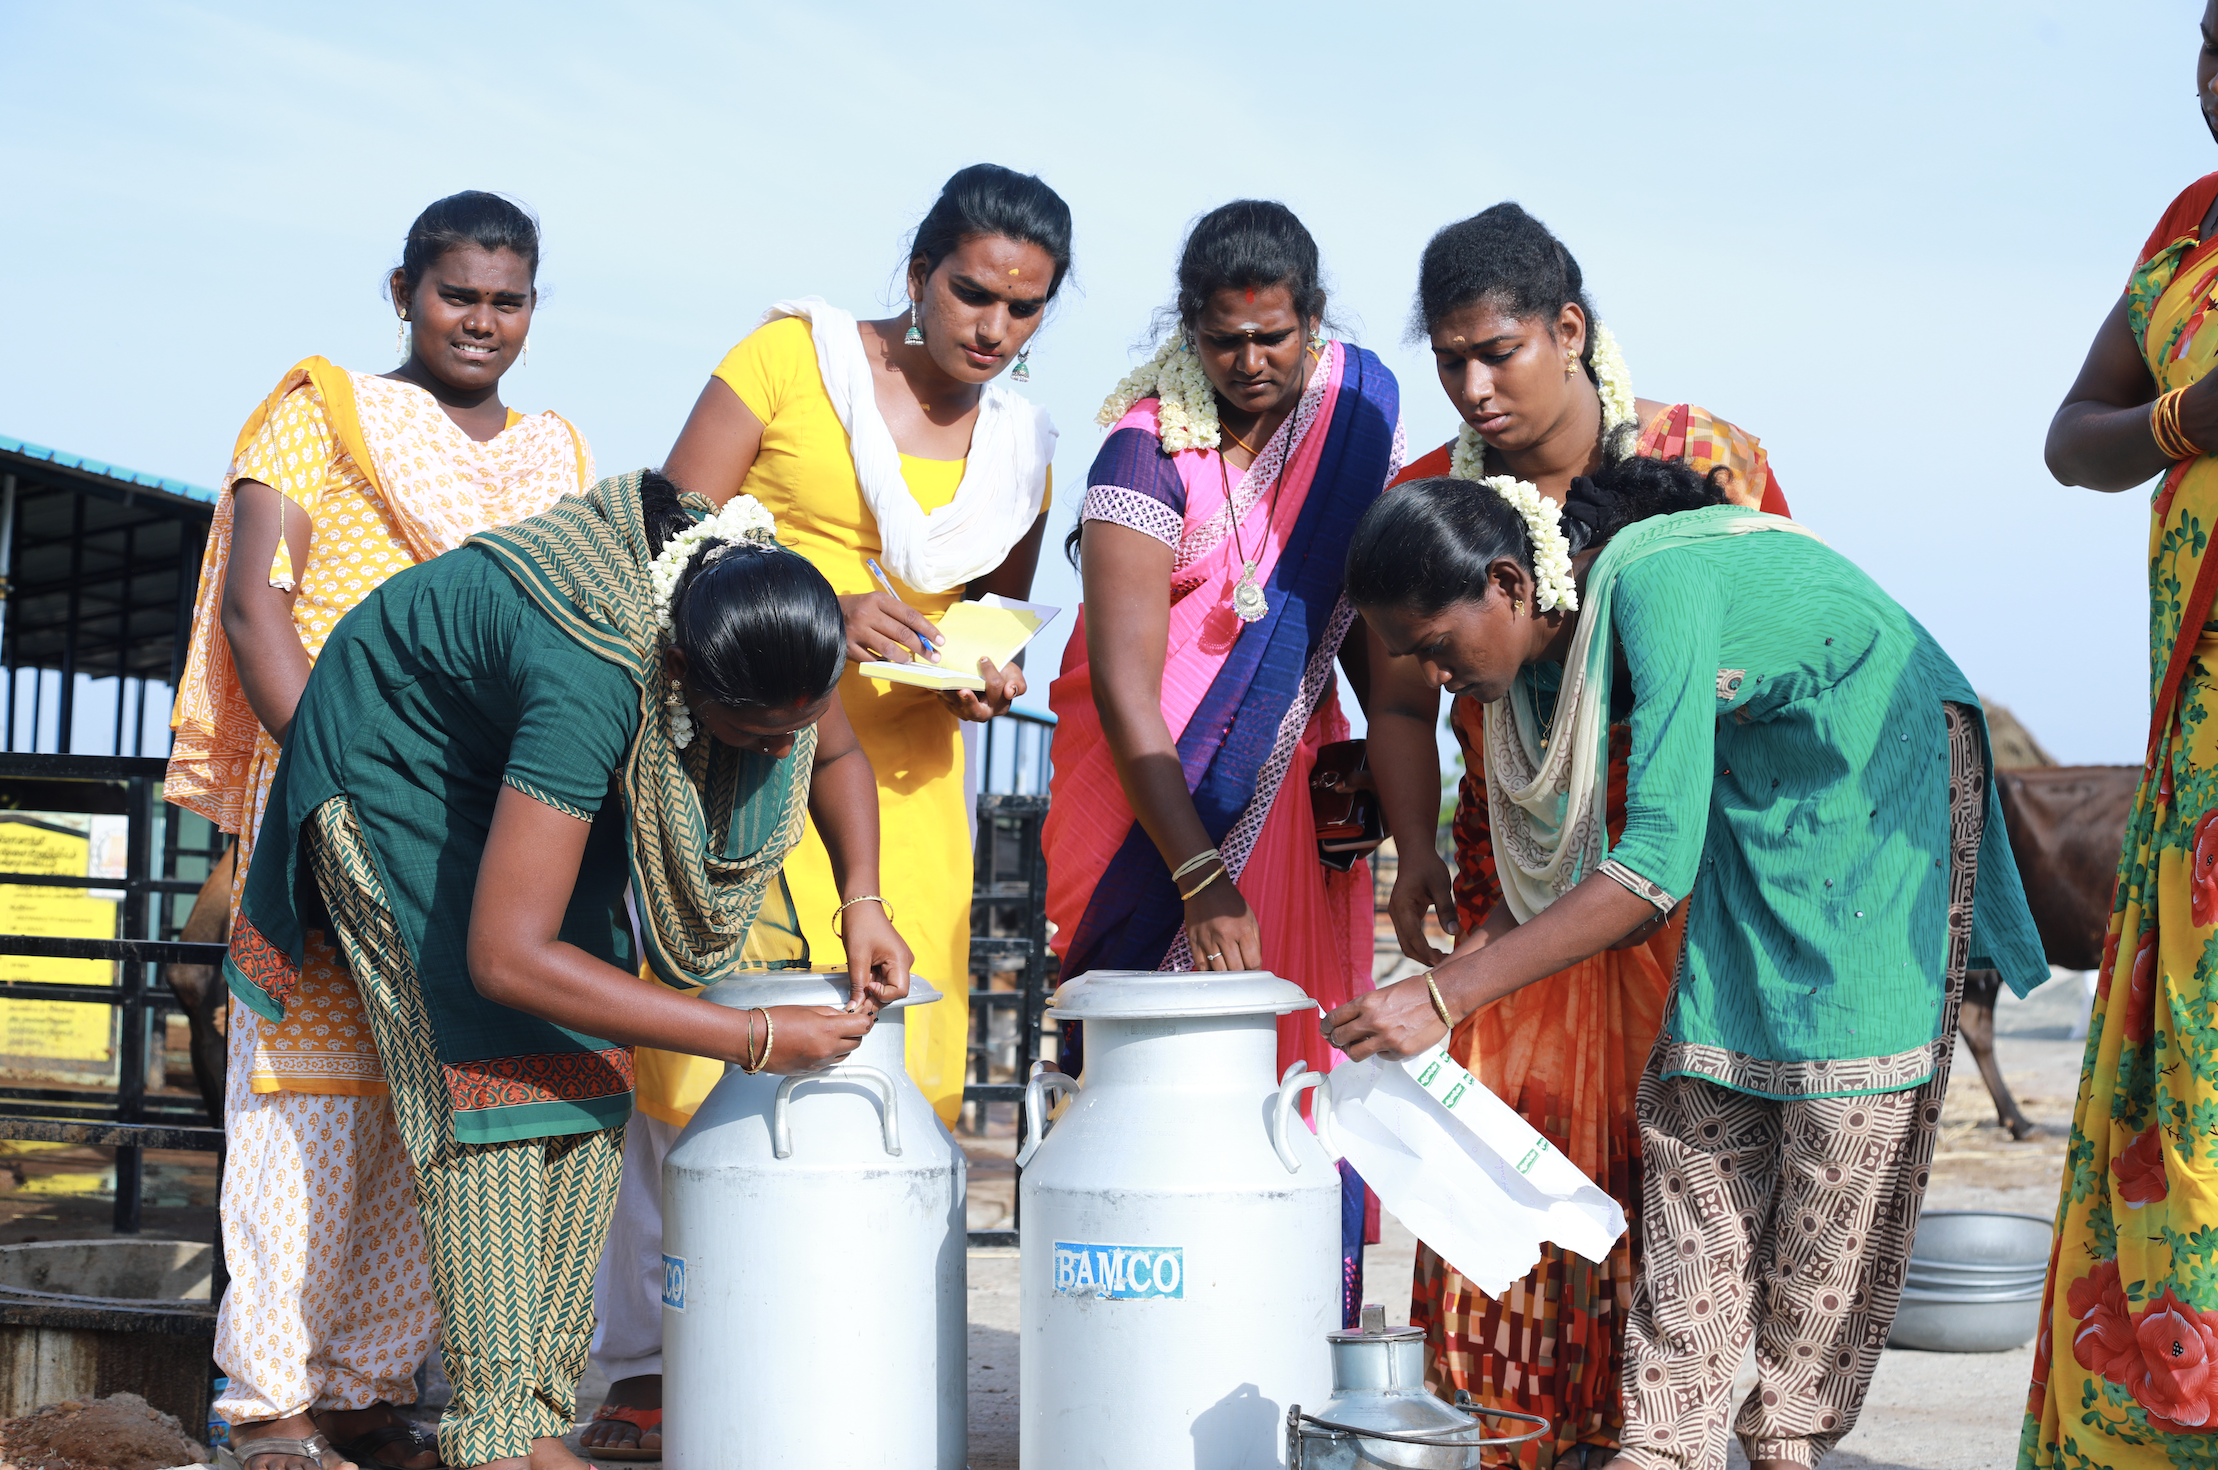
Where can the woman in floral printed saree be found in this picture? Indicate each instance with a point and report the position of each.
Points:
(1544, 398)
(2126, 1365)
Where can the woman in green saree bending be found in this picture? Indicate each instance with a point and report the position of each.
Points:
(491, 746)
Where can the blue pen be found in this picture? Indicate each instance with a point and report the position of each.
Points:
(887, 583)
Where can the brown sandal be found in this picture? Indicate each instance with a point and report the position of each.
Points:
(646, 1421)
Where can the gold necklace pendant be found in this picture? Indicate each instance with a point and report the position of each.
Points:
(1247, 598)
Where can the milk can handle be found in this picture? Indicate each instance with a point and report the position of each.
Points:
(1298, 1080)
(781, 1132)
(1035, 1110)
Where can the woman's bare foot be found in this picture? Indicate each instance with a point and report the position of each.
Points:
(291, 1428)
(343, 1425)
(546, 1454)
(641, 1392)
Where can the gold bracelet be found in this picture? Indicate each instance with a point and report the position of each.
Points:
(840, 912)
(1440, 1006)
(769, 1035)
(1204, 883)
(747, 1063)
(2164, 427)
(1207, 854)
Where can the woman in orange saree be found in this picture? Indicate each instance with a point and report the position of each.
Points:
(1544, 398)
(2125, 1369)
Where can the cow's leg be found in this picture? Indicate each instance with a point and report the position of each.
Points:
(1976, 1022)
(200, 989)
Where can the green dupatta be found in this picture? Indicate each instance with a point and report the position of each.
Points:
(1547, 803)
(698, 882)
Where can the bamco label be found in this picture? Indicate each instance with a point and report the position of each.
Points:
(1120, 1273)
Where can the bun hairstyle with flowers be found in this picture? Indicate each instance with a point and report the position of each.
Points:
(759, 626)
(1426, 546)
(472, 217)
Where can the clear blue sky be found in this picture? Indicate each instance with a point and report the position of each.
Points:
(1878, 236)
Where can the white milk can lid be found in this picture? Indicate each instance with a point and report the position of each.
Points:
(803, 988)
(1136, 995)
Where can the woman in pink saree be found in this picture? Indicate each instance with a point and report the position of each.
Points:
(1200, 687)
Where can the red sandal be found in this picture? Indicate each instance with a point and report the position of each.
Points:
(646, 1421)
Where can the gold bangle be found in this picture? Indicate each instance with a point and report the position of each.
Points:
(840, 912)
(1440, 1006)
(1207, 854)
(769, 1035)
(2164, 426)
(1204, 883)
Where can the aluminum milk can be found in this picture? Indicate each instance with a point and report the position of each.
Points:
(813, 1261)
(1380, 1413)
(1180, 1232)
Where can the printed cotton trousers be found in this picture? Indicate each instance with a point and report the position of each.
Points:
(1791, 1218)
(330, 1304)
(1788, 1219)
(514, 1228)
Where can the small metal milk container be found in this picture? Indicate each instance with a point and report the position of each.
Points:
(1381, 1414)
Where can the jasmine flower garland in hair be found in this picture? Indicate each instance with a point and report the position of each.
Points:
(1186, 400)
(742, 518)
(1552, 584)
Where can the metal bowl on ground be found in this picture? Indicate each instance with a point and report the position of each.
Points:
(1953, 1324)
(1927, 1276)
(1981, 1238)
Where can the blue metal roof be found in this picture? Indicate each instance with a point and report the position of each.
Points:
(106, 471)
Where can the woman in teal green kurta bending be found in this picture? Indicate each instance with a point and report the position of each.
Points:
(491, 746)
(1809, 777)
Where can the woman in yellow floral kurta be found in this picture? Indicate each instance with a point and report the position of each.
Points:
(330, 1305)
(2126, 1364)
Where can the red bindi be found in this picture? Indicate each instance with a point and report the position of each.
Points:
(1251, 295)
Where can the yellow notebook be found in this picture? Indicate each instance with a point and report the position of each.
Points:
(993, 627)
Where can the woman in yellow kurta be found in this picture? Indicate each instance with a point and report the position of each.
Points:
(338, 481)
(2125, 1369)
(885, 442)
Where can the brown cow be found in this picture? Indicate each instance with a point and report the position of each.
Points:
(2066, 825)
(200, 988)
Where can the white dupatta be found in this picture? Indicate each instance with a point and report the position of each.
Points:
(1004, 475)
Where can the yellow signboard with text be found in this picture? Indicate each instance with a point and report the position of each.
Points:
(38, 1035)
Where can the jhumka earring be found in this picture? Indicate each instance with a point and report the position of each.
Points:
(1022, 372)
(400, 337)
(1570, 364)
(914, 337)
(523, 357)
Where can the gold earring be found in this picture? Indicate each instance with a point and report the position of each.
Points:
(1570, 364)
(400, 337)
(1516, 606)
